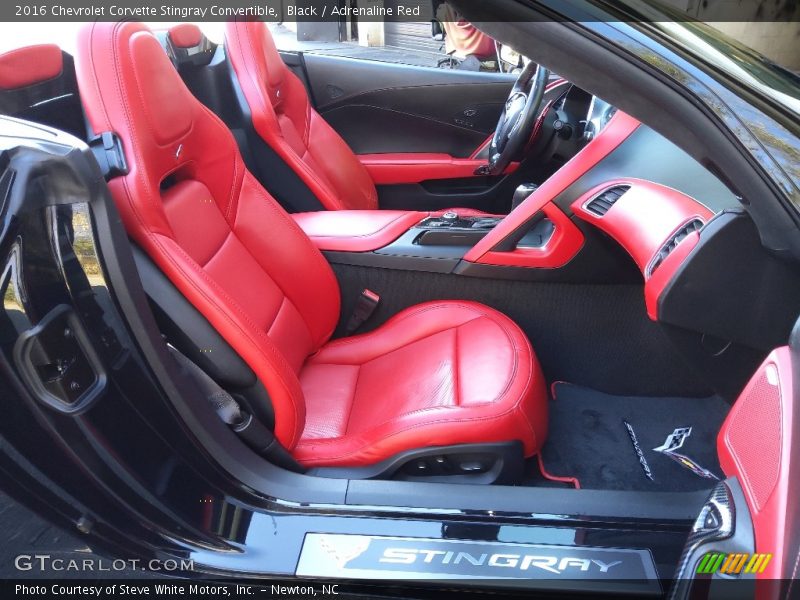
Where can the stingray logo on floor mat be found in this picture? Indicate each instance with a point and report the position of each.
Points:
(675, 441)
(638, 449)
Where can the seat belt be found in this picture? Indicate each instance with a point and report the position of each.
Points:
(251, 431)
(365, 306)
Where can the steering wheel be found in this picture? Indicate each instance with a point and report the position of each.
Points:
(518, 118)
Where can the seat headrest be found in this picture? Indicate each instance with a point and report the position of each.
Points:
(130, 87)
(185, 35)
(26, 66)
(187, 46)
(151, 90)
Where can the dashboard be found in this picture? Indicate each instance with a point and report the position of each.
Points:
(586, 116)
(598, 115)
(656, 225)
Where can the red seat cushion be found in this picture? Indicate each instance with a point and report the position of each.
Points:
(436, 374)
(243, 262)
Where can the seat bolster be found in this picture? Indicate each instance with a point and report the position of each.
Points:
(252, 344)
(349, 178)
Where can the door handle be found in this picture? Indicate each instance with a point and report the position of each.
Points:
(58, 364)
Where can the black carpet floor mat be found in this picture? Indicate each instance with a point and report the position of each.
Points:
(588, 439)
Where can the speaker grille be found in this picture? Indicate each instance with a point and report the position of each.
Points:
(754, 435)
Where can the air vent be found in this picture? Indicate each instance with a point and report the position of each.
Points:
(677, 238)
(603, 202)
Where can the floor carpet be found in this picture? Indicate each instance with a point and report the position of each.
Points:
(588, 439)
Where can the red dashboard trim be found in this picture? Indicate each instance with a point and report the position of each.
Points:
(415, 167)
(642, 220)
(565, 243)
(356, 230)
(654, 285)
(763, 415)
(618, 129)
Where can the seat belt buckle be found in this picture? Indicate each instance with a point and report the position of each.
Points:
(365, 306)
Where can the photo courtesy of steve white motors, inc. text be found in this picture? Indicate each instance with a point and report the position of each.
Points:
(170, 590)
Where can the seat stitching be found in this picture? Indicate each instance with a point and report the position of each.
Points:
(96, 79)
(217, 251)
(307, 132)
(402, 316)
(353, 403)
(406, 345)
(499, 397)
(233, 193)
(456, 386)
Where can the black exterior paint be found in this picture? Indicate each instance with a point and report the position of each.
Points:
(131, 465)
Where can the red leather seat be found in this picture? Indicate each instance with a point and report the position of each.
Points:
(438, 373)
(283, 116)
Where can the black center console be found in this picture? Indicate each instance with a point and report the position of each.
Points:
(451, 229)
(410, 240)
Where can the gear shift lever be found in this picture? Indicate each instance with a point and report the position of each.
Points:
(523, 191)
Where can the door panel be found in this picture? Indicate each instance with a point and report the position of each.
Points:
(380, 107)
(411, 167)
(758, 445)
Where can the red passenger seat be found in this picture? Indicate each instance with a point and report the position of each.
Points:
(440, 373)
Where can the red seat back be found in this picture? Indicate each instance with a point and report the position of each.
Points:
(191, 204)
(284, 118)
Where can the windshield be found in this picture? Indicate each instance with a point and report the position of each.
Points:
(737, 61)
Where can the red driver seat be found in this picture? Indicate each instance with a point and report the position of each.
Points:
(283, 116)
(440, 373)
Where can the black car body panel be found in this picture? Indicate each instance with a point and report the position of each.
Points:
(103, 432)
